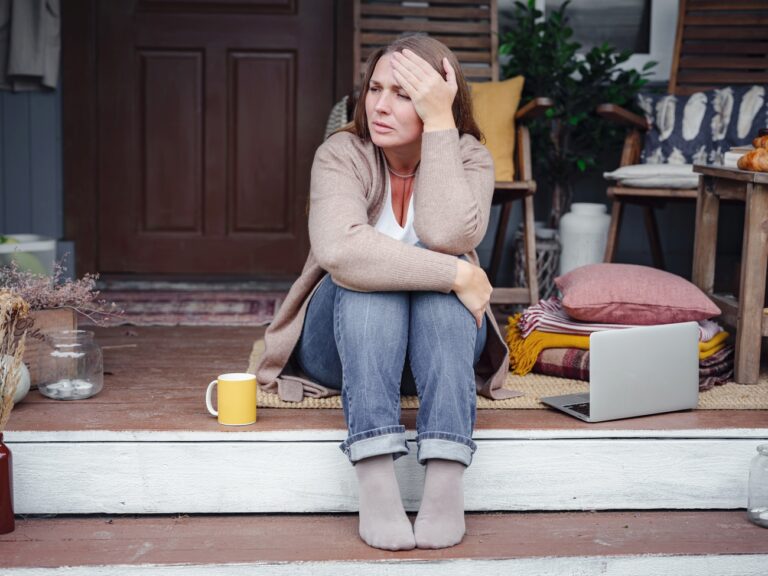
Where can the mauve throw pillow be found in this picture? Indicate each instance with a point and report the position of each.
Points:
(631, 294)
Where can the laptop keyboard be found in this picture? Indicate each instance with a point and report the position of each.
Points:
(581, 408)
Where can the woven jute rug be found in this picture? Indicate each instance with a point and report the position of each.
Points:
(729, 396)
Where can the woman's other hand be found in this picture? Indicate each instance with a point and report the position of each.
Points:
(473, 289)
(432, 96)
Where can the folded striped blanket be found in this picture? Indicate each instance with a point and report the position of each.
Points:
(564, 363)
(523, 352)
(573, 363)
(717, 369)
(549, 316)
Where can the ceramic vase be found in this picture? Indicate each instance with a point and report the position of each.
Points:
(7, 523)
(583, 235)
(22, 387)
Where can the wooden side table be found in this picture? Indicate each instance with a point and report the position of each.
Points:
(746, 313)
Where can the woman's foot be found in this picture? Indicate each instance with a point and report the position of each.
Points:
(440, 522)
(383, 523)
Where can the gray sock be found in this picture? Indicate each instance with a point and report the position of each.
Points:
(383, 523)
(440, 522)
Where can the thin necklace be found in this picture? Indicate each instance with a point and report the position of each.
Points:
(401, 175)
(406, 191)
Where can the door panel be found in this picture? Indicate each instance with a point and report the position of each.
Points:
(262, 120)
(208, 117)
(170, 145)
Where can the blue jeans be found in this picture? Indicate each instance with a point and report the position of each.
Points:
(359, 342)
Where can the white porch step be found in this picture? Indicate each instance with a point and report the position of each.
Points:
(640, 565)
(561, 544)
(146, 445)
(299, 471)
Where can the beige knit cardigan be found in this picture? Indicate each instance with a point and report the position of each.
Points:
(452, 200)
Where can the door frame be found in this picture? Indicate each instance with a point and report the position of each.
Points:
(80, 121)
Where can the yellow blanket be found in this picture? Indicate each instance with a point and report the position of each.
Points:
(523, 352)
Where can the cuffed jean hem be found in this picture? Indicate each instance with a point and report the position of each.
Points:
(445, 446)
(387, 440)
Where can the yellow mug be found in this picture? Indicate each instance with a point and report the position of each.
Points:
(236, 396)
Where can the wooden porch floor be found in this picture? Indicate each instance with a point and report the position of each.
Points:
(234, 539)
(155, 380)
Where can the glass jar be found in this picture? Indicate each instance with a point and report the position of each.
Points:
(757, 502)
(73, 369)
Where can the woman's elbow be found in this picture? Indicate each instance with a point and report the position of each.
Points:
(455, 239)
(448, 242)
(328, 259)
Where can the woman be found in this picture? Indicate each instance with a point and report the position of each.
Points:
(391, 294)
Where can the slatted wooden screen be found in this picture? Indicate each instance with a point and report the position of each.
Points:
(720, 43)
(467, 28)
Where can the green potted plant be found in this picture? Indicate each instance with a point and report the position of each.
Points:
(568, 139)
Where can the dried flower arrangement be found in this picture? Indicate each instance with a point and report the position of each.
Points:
(13, 312)
(43, 292)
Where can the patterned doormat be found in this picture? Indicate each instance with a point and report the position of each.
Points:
(729, 396)
(191, 307)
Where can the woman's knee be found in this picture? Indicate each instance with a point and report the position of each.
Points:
(371, 316)
(444, 311)
(441, 324)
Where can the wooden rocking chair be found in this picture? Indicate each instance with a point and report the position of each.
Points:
(470, 29)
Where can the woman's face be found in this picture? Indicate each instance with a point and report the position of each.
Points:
(392, 119)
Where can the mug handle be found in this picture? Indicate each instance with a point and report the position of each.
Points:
(208, 394)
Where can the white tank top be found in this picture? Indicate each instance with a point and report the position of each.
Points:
(388, 224)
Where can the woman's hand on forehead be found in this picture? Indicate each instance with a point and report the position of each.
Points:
(432, 96)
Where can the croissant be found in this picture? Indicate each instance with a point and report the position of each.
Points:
(756, 160)
(760, 141)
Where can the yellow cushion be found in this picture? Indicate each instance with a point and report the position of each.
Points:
(495, 105)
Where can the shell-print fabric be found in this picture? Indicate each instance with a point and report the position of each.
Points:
(665, 116)
(701, 127)
(723, 106)
(751, 104)
(693, 114)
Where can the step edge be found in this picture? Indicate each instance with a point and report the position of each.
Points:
(338, 435)
(636, 564)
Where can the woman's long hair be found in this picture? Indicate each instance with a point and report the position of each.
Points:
(433, 51)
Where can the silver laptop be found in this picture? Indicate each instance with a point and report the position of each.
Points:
(636, 372)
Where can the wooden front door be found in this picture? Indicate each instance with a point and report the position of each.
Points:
(208, 115)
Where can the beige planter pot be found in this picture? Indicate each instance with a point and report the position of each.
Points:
(45, 321)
